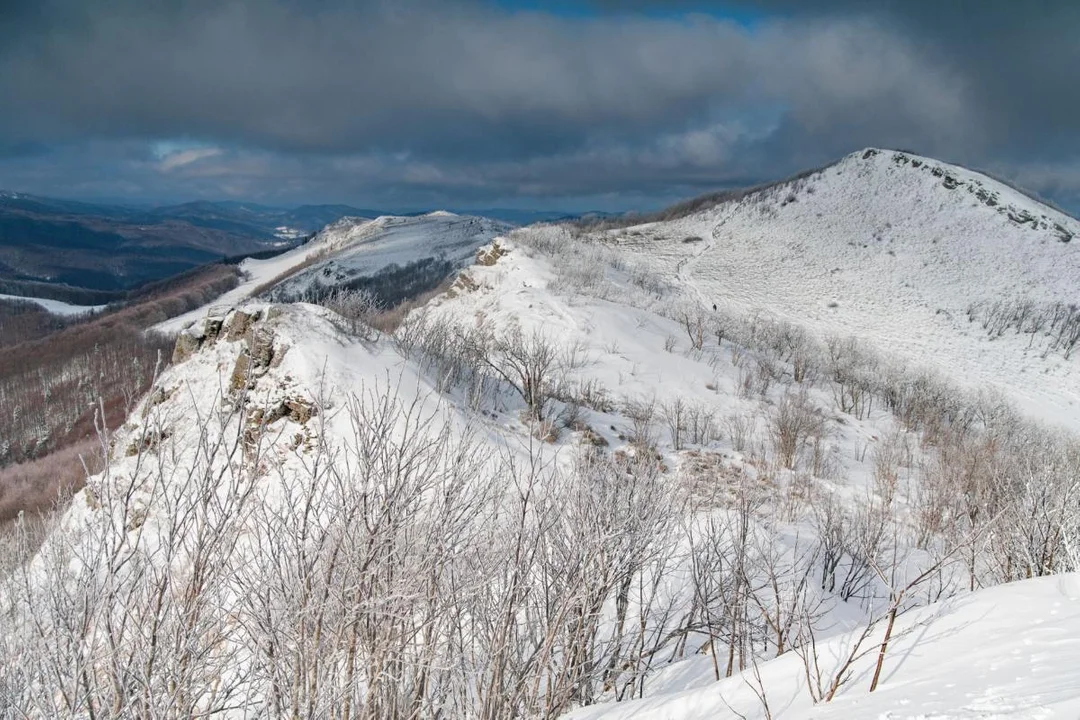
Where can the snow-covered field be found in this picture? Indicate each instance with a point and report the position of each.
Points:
(57, 307)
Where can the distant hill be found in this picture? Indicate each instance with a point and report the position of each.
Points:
(46, 242)
(63, 249)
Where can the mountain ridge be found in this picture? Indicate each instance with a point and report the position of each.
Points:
(606, 471)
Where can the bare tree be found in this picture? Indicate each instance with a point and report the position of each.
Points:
(642, 415)
(676, 416)
(695, 322)
(531, 364)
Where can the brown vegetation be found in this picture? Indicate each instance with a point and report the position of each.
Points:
(390, 319)
(60, 377)
(22, 320)
(37, 486)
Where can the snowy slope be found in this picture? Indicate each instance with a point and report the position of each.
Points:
(352, 248)
(362, 249)
(394, 239)
(1007, 652)
(256, 273)
(892, 248)
(257, 403)
(56, 307)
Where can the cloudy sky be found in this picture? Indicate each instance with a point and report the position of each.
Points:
(410, 104)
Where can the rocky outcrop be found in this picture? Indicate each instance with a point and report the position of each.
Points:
(490, 255)
(186, 346)
(239, 324)
(250, 327)
(257, 357)
(296, 409)
(198, 335)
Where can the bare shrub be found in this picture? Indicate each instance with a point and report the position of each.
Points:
(357, 307)
(1057, 323)
(723, 326)
(923, 402)
(741, 429)
(643, 276)
(853, 542)
(642, 415)
(593, 394)
(531, 364)
(756, 375)
(891, 456)
(454, 356)
(701, 425)
(578, 275)
(851, 370)
(794, 425)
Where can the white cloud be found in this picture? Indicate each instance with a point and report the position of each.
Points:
(183, 158)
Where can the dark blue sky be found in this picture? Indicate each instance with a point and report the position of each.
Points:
(521, 103)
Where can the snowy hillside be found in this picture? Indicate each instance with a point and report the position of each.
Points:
(571, 486)
(346, 252)
(357, 250)
(55, 306)
(1007, 652)
(894, 249)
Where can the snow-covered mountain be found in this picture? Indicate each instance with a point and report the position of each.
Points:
(634, 472)
(901, 251)
(349, 251)
(358, 249)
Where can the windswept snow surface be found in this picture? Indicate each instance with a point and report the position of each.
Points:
(891, 248)
(57, 307)
(1007, 652)
(353, 248)
(364, 249)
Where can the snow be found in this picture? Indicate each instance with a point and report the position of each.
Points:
(363, 249)
(255, 273)
(355, 247)
(878, 249)
(1005, 652)
(57, 307)
(288, 233)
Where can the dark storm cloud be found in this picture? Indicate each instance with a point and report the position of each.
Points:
(471, 100)
(1020, 61)
(423, 77)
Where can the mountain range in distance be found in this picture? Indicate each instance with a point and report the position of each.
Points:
(89, 252)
